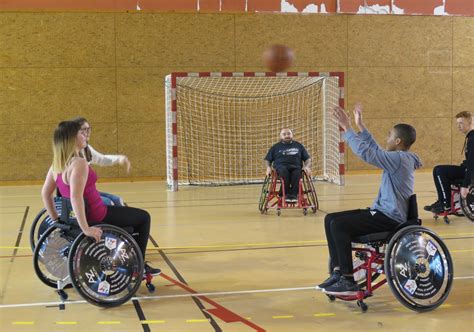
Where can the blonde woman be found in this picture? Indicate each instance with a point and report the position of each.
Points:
(94, 157)
(76, 180)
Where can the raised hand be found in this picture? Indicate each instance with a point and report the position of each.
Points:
(358, 116)
(342, 117)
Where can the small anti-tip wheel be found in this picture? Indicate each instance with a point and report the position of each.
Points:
(278, 212)
(435, 217)
(446, 220)
(305, 211)
(62, 295)
(362, 306)
(150, 287)
(331, 298)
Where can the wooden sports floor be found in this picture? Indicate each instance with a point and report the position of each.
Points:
(226, 267)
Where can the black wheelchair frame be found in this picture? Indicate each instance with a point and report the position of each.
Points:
(105, 273)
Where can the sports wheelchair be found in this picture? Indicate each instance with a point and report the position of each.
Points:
(459, 206)
(273, 194)
(416, 263)
(42, 221)
(106, 273)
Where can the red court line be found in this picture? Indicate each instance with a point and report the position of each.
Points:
(219, 311)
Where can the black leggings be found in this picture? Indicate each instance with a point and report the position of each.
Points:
(341, 227)
(125, 216)
(444, 176)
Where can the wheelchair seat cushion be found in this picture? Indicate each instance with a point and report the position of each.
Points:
(384, 236)
(373, 237)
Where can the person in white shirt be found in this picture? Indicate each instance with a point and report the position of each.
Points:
(94, 157)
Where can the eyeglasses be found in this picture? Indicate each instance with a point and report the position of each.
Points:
(86, 130)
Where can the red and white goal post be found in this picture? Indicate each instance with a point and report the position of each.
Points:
(219, 126)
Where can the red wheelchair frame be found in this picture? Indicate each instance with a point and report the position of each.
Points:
(456, 208)
(432, 265)
(271, 198)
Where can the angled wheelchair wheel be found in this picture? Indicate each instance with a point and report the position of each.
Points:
(264, 194)
(418, 268)
(50, 258)
(107, 273)
(310, 192)
(467, 204)
(41, 223)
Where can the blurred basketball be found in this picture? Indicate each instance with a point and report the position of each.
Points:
(278, 58)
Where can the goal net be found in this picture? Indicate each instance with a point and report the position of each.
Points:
(219, 126)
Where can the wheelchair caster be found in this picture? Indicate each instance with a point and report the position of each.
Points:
(435, 217)
(150, 287)
(305, 211)
(331, 298)
(446, 220)
(362, 306)
(278, 212)
(62, 295)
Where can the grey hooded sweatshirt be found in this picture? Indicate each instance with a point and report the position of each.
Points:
(398, 173)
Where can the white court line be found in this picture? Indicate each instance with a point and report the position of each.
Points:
(159, 297)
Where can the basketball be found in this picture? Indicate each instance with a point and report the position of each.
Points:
(278, 58)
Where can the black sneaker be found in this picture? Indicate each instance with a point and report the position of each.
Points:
(430, 207)
(344, 286)
(333, 278)
(151, 270)
(289, 199)
(439, 208)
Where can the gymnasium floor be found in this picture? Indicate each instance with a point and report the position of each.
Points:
(254, 271)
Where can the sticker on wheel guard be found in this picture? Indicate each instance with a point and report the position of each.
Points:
(410, 286)
(104, 288)
(431, 248)
(110, 243)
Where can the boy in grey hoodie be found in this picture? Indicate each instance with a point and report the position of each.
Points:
(390, 207)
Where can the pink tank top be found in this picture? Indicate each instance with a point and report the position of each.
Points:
(96, 209)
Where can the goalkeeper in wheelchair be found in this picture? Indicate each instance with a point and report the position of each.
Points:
(390, 208)
(287, 158)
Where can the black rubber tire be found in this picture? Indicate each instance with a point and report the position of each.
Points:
(75, 263)
(440, 263)
(36, 260)
(34, 225)
(467, 203)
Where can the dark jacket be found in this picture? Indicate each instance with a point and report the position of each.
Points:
(468, 163)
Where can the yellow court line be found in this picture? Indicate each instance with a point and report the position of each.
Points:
(152, 321)
(197, 320)
(13, 247)
(283, 317)
(112, 322)
(258, 244)
(463, 250)
(446, 234)
(23, 323)
(325, 314)
(446, 305)
(261, 244)
(67, 323)
(216, 246)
